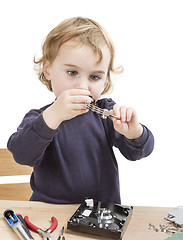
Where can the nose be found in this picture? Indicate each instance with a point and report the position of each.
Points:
(82, 83)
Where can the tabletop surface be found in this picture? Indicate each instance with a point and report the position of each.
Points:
(40, 214)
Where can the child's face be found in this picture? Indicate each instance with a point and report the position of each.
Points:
(78, 67)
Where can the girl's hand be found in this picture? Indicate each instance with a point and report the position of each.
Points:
(128, 124)
(69, 104)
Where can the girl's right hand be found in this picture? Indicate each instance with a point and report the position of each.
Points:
(69, 104)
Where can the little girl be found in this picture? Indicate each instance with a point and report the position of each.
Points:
(70, 147)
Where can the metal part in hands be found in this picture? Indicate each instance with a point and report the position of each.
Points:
(103, 112)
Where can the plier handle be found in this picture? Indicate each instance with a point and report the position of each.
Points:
(45, 234)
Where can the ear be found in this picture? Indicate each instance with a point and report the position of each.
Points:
(46, 70)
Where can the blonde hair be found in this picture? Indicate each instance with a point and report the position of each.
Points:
(85, 30)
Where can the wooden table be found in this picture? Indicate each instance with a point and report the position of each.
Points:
(40, 214)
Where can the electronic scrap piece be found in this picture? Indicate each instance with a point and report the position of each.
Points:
(176, 216)
(102, 219)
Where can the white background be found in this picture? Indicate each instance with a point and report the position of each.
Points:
(148, 35)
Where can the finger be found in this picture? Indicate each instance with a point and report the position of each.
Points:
(79, 106)
(129, 113)
(80, 99)
(116, 110)
(77, 91)
(123, 113)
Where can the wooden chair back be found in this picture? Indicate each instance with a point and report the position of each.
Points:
(8, 167)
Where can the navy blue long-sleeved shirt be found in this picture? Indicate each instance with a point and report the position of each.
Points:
(76, 160)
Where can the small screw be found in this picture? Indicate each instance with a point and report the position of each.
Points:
(152, 226)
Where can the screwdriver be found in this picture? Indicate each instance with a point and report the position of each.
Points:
(19, 216)
(61, 237)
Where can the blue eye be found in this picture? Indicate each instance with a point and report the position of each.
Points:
(72, 73)
(94, 77)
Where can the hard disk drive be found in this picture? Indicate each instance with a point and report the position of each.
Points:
(102, 219)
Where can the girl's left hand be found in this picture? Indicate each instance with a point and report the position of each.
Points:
(128, 124)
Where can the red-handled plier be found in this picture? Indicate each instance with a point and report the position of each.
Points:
(45, 234)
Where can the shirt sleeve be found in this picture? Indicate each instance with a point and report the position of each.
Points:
(31, 139)
(132, 149)
(135, 149)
